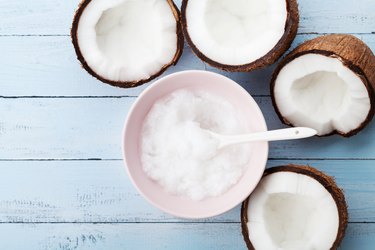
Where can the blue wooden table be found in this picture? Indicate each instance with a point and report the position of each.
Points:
(62, 180)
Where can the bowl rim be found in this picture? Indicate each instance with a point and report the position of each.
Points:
(155, 84)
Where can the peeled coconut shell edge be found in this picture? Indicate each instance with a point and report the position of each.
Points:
(272, 56)
(352, 52)
(326, 181)
(73, 34)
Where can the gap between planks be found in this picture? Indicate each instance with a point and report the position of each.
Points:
(270, 159)
(67, 35)
(84, 97)
(76, 97)
(150, 222)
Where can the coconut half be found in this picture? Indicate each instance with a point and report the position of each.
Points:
(126, 43)
(294, 207)
(239, 35)
(327, 84)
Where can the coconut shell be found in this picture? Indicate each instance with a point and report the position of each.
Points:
(180, 45)
(291, 27)
(325, 180)
(352, 52)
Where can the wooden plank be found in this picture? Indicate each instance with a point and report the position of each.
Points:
(100, 191)
(122, 236)
(148, 236)
(76, 128)
(359, 236)
(62, 128)
(47, 66)
(40, 17)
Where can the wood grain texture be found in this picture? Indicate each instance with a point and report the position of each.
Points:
(100, 191)
(47, 66)
(186, 236)
(122, 236)
(91, 204)
(40, 17)
(85, 128)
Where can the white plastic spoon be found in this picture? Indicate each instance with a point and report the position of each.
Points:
(273, 135)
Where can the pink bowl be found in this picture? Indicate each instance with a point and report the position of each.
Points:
(182, 206)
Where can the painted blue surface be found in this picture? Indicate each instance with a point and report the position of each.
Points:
(62, 181)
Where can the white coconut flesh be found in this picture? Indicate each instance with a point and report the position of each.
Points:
(235, 32)
(320, 92)
(127, 40)
(292, 211)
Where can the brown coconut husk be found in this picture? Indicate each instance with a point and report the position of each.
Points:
(352, 52)
(272, 56)
(326, 181)
(180, 45)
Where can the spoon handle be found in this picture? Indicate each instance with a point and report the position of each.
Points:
(274, 135)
